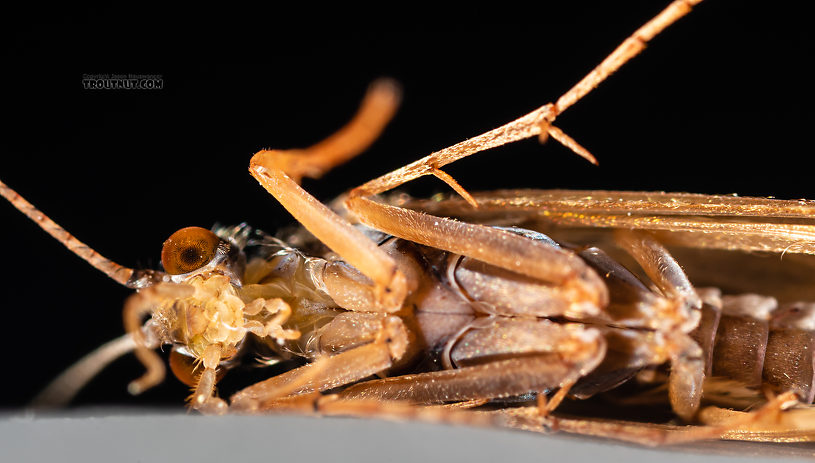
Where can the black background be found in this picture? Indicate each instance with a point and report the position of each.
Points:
(719, 103)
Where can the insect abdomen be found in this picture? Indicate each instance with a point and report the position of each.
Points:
(758, 342)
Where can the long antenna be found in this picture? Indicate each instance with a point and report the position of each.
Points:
(113, 270)
(538, 122)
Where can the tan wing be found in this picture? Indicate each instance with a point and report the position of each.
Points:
(684, 219)
(776, 237)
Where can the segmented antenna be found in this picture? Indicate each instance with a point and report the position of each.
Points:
(113, 270)
(538, 122)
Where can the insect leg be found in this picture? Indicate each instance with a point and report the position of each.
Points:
(497, 379)
(279, 171)
(499, 292)
(481, 242)
(504, 249)
(770, 423)
(669, 277)
(511, 357)
(333, 405)
(377, 109)
(740, 426)
(780, 420)
(487, 245)
(538, 121)
(328, 372)
(687, 361)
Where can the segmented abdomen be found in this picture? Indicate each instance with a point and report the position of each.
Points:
(753, 340)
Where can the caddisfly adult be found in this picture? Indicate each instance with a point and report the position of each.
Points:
(473, 315)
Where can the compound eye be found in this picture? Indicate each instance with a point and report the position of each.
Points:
(188, 249)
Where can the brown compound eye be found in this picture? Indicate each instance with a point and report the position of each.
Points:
(188, 249)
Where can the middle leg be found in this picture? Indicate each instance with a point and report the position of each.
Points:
(508, 357)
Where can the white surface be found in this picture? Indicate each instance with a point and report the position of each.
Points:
(126, 437)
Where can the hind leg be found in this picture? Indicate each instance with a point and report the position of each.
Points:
(762, 425)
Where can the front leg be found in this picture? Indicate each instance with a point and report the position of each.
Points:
(501, 248)
(279, 171)
(389, 344)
